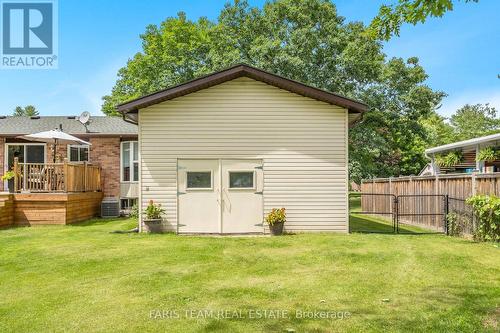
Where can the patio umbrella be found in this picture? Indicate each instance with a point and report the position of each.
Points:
(55, 137)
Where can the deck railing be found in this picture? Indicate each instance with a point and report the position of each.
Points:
(56, 177)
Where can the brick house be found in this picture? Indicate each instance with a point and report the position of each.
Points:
(114, 148)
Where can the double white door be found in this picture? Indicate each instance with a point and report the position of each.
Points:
(220, 196)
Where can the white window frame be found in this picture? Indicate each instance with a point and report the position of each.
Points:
(128, 199)
(132, 162)
(6, 154)
(6, 151)
(79, 147)
(241, 188)
(211, 188)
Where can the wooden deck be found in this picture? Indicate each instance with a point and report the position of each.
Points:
(52, 193)
(63, 177)
(48, 208)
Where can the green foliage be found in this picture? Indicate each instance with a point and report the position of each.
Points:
(449, 159)
(28, 111)
(487, 210)
(472, 121)
(488, 154)
(154, 211)
(277, 215)
(307, 41)
(134, 212)
(8, 175)
(455, 228)
(438, 130)
(390, 18)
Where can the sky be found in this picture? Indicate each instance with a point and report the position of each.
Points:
(460, 51)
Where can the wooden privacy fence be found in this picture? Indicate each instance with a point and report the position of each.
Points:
(422, 200)
(56, 177)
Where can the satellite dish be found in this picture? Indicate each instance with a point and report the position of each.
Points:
(84, 117)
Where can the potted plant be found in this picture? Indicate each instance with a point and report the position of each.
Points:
(8, 175)
(276, 219)
(488, 154)
(153, 219)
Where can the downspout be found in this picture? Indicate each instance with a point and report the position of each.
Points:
(355, 122)
(479, 164)
(434, 167)
(125, 119)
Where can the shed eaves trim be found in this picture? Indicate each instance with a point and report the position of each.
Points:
(236, 72)
(463, 144)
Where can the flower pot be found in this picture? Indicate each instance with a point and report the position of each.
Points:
(276, 229)
(153, 225)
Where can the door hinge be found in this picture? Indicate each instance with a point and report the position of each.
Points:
(259, 167)
(259, 192)
(180, 193)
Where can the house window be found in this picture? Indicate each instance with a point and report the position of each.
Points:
(127, 203)
(78, 153)
(199, 180)
(241, 179)
(130, 161)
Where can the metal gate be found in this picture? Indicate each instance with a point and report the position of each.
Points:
(421, 213)
(372, 212)
(404, 214)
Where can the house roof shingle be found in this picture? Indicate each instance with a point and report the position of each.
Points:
(99, 125)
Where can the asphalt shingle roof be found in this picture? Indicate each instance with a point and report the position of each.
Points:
(99, 125)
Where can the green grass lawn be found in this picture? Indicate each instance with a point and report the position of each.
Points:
(83, 278)
(376, 224)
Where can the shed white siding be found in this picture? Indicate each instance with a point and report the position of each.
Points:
(302, 142)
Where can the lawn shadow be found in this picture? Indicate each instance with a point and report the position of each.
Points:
(372, 225)
(98, 222)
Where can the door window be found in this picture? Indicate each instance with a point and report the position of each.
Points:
(199, 180)
(35, 154)
(241, 180)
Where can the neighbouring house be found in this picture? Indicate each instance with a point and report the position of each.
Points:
(481, 155)
(114, 149)
(219, 152)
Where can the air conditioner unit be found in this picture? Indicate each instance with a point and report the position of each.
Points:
(110, 207)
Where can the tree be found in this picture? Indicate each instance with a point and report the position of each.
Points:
(439, 131)
(390, 18)
(472, 121)
(173, 52)
(303, 40)
(28, 111)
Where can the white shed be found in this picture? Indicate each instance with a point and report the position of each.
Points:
(221, 151)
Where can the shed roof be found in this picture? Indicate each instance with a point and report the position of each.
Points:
(237, 71)
(464, 144)
(99, 125)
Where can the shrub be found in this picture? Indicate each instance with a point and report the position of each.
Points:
(134, 212)
(154, 211)
(487, 210)
(277, 215)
